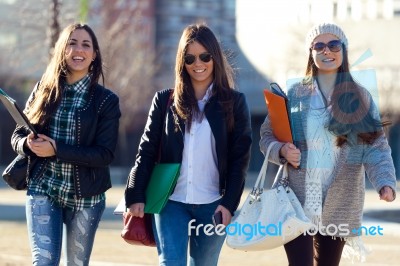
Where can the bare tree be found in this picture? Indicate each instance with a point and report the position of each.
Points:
(125, 33)
(29, 25)
(54, 25)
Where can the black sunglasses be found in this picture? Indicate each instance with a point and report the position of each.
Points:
(335, 46)
(204, 57)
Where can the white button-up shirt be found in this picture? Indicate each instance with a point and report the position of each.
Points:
(198, 182)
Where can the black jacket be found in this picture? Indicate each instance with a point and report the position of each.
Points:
(96, 138)
(233, 149)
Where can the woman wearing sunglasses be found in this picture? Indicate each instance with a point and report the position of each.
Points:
(207, 129)
(338, 139)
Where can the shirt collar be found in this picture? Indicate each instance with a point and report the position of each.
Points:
(79, 85)
(208, 93)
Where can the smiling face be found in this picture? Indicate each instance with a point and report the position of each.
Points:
(201, 73)
(79, 55)
(327, 62)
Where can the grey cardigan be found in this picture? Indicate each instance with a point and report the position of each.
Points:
(344, 201)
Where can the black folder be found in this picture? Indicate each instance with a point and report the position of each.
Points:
(14, 110)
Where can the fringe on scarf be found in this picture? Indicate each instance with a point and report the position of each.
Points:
(355, 250)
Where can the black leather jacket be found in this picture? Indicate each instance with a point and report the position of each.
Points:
(96, 138)
(233, 149)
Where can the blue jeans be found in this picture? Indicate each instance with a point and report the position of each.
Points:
(50, 227)
(171, 230)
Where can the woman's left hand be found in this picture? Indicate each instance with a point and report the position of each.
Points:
(226, 214)
(43, 146)
(386, 194)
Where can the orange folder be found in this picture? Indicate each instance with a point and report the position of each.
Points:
(279, 115)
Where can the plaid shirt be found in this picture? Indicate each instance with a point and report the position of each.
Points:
(57, 181)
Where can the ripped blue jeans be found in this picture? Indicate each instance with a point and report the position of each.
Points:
(52, 228)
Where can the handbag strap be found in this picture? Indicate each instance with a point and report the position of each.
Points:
(261, 176)
(283, 181)
(169, 101)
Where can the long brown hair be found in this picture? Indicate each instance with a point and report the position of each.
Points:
(223, 83)
(354, 116)
(49, 91)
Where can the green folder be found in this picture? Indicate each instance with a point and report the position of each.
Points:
(162, 182)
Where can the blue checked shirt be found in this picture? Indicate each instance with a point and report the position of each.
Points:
(57, 181)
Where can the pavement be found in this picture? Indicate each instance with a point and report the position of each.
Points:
(110, 250)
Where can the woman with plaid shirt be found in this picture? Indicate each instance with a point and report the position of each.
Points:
(78, 120)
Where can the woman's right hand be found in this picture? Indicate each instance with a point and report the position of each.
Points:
(30, 140)
(291, 154)
(42, 146)
(137, 210)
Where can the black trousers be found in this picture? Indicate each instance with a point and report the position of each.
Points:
(316, 250)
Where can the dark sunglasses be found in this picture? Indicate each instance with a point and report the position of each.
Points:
(335, 46)
(204, 57)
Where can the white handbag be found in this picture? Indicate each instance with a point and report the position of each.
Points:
(270, 218)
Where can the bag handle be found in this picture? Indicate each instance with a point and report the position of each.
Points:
(169, 102)
(261, 176)
(259, 184)
(284, 180)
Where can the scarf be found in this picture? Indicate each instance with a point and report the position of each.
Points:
(321, 160)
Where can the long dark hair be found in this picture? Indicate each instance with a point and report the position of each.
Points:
(49, 92)
(223, 83)
(354, 116)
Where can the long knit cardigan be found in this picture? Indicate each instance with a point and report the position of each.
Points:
(344, 201)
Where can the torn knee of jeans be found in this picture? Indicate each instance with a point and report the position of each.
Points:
(44, 239)
(45, 253)
(40, 200)
(42, 219)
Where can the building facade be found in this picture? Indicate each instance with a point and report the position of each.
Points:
(264, 39)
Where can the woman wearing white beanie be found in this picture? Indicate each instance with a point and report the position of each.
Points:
(338, 138)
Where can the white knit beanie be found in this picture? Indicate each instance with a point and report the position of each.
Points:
(325, 28)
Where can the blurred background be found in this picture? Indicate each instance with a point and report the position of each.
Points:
(138, 39)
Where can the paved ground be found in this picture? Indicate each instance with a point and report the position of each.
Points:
(110, 250)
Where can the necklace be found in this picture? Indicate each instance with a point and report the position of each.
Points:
(326, 101)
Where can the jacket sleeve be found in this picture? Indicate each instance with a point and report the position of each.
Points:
(378, 164)
(147, 152)
(267, 137)
(20, 133)
(18, 139)
(239, 147)
(99, 148)
(378, 161)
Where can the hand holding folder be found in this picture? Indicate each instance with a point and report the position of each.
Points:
(279, 113)
(161, 185)
(14, 110)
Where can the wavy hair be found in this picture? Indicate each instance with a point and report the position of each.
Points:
(48, 94)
